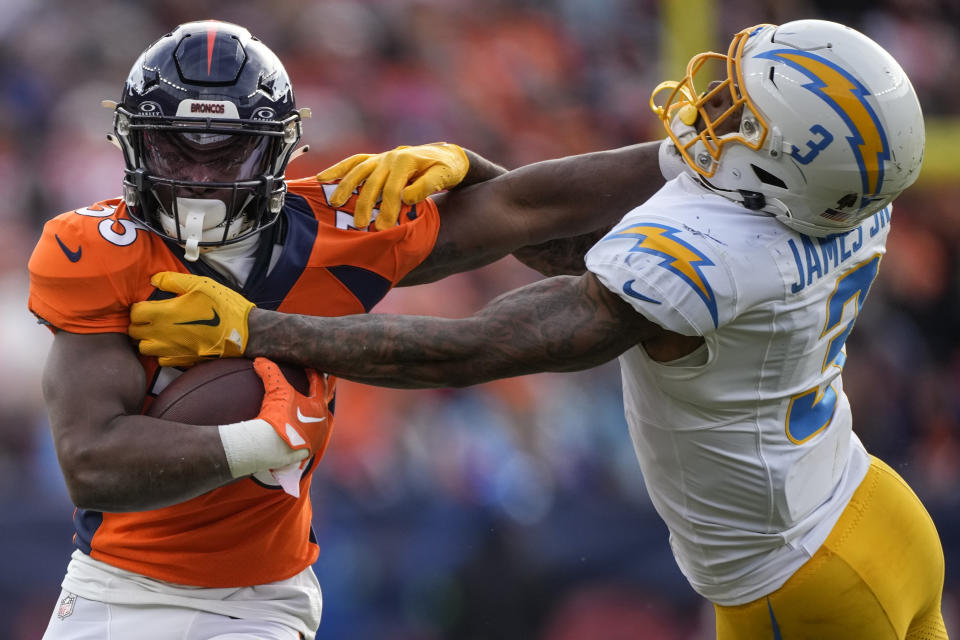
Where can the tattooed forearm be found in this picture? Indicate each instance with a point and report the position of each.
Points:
(559, 324)
(563, 256)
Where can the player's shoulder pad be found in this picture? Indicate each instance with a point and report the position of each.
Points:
(88, 266)
(690, 259)
(670, 272)
(317, 195)
(93, 240)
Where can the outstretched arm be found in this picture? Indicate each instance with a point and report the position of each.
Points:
(558, 324)
(537, 204)
(564, 323)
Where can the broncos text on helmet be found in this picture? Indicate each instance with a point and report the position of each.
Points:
(207, 124)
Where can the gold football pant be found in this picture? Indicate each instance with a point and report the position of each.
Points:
(878, 576)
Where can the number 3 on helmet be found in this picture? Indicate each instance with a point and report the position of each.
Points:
(830, 130)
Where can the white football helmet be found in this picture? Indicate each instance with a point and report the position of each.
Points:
(830, 129)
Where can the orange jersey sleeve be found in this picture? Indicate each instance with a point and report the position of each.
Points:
(392, 253)
(90, 265)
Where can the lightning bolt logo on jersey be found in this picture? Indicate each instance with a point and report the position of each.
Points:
(679, 257)
(747, 439)
(848, 98)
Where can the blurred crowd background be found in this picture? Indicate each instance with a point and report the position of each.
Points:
(515, 509)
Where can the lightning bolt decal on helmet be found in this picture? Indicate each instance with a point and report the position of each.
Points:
(830, 130)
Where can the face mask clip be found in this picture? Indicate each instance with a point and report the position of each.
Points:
(198, 216)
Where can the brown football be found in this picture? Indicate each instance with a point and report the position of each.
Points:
(218, 392)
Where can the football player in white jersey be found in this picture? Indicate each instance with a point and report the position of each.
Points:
(728, 297)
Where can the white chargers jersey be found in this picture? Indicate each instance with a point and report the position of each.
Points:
(746, 445)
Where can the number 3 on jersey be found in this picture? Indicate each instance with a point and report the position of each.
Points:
(811, 411)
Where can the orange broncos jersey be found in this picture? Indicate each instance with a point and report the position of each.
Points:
(91, 264)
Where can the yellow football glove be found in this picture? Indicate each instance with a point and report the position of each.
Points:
(407, 173)
(206, 320)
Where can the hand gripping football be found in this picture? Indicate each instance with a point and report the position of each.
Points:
(219, 392)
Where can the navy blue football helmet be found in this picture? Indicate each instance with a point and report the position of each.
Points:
(207, 124)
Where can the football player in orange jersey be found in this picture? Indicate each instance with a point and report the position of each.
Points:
(184, 531)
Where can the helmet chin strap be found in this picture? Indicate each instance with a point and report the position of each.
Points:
(755, 201)
(752, 200)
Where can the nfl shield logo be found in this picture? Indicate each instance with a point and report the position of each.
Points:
(66, 605)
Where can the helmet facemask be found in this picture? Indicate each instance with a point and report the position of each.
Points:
(699, 135)
(207, 124)
(205, 182)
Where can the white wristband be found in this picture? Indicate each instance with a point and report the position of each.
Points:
(253, 445)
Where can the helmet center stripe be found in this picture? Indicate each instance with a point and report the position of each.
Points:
(211, 40)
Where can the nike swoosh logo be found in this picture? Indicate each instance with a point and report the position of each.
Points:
(72, 256)
(630, 291)
(773, 621)
(303, 418)
(210, 322)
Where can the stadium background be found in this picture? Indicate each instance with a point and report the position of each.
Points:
(514, 509)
